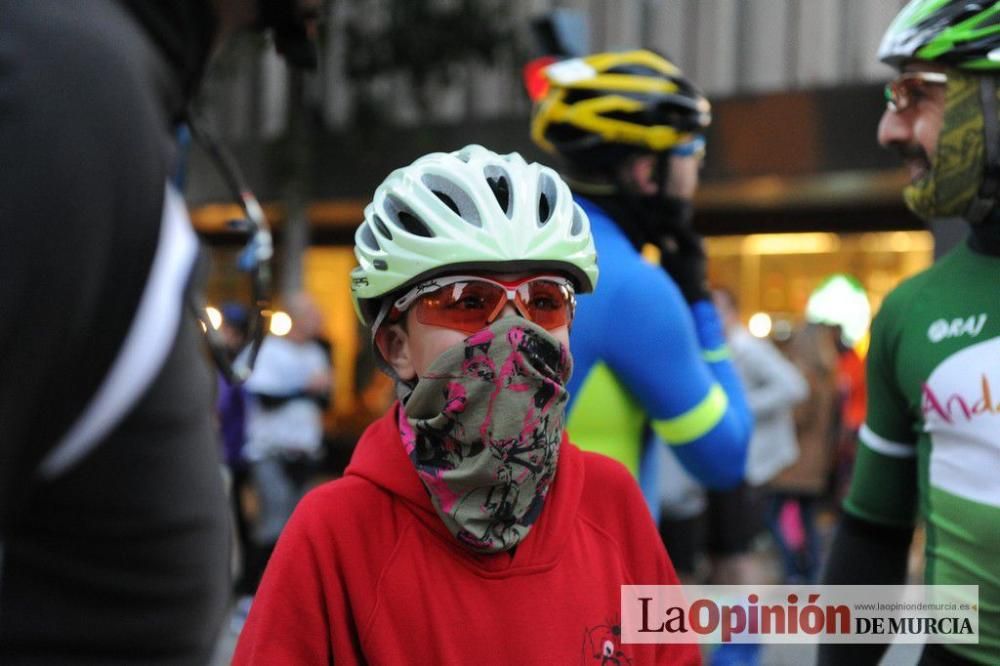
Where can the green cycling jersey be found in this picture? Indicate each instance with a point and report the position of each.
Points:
(931, 443)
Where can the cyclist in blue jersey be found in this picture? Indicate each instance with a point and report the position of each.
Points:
(649, 349)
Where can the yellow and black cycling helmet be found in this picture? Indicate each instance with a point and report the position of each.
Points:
(595, 110)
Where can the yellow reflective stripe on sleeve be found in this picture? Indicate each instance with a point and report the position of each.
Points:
(695, 422)
(716, 355)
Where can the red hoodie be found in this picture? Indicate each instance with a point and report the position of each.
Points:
(366, 572)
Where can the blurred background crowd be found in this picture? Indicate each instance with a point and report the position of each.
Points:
(804, 229)
(805, 232)
(799, 206)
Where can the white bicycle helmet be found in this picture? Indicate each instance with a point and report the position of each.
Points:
(468, 210)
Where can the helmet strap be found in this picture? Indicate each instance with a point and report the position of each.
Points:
(661, 172)
(589, 187)
(986, 198)
(403, 388)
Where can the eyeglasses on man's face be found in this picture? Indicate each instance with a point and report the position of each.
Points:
(909, 88)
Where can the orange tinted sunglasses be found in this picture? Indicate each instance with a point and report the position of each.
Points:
(471, 303)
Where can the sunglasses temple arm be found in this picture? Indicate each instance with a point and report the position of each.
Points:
(257, 256)
(228, 168)
(216, 346)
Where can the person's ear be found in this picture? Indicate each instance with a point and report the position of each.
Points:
(393, 343)
(637, 174)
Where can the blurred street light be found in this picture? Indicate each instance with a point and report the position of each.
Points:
(281, 323)
(759, 324)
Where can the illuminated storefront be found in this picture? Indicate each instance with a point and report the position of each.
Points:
(776, 273)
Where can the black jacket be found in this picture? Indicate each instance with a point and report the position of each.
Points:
(113, 520)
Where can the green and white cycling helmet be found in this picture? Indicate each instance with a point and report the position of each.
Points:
(958, 33)
(468, 210)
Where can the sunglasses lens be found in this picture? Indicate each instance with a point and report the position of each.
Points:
(463, 306)
(546, 303)
(695, 146)
(891, 99)
(901, 93)
(471, 305)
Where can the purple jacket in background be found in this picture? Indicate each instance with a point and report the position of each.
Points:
(231, 409)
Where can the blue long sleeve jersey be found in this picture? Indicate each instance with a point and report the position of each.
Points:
(642, 355)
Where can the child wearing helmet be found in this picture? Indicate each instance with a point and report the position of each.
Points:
(467, 528)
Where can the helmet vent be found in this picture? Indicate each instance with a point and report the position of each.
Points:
(546, 199)
(454, 197)
(447, 201)
(412, 223)
(381, 228)
(404, 219)
(577, 227)
(368, 238)
(638, 70)
(499, 184)
(989, 22)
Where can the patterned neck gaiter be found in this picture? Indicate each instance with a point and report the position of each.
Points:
(957, 165)
(483, 429)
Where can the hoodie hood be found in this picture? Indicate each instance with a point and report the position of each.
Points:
(381, 459)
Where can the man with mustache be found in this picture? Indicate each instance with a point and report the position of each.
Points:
(930, 447)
